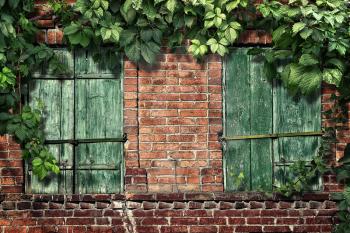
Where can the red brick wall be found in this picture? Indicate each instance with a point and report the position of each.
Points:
(173, 160)
(11, 166)
(165, 213)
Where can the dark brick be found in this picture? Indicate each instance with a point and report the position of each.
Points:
(165, 205)
(25, 205)
(87, 213)
(240, 205)
(8, 205)
(102, 205)
(40, 205)
(223, 205)
(256, 205)
(80, 221)
(195, 205)
(179, 205)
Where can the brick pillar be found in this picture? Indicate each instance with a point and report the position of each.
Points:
(180, 116)
(11, 166)
(135, 177)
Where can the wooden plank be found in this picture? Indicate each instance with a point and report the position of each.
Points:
(297, 114)
(98, 115)
(98, 109)
(58, 99)
(98, 181)
(52, 184)
(237, 120)
(261, 123)
(94, 155)
(98, 63)
(57, 96)
(67, 61)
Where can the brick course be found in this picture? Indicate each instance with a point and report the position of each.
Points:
(190, 213)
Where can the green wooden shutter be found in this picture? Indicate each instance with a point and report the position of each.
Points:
(98, 92)
(295, 114)
(86, 108)
(256, 109)
(56, 91)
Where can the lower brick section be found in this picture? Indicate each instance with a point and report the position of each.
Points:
(156, 213)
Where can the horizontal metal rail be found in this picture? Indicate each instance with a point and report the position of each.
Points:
(275, 135)
(82, 141)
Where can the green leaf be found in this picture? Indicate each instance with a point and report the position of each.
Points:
(232, 5)
(231, 35)
(146, 34)
(5, 116)
(278, 33)
(84, 40)
(106, 33)
(128, 15)
(149, 10)
(13, 3)
(127, 36)
(308, 60)
(297, 27)
(332, 76)
(171, 5)
(147, 53)
(310, 81)
(2, 3)
(203, 49)
(337, 63)
(157, 35)
(71, 29)
(305, 33)
(346, 158)
(132, 51)
(115, 6)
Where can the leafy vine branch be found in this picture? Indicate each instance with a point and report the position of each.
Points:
(311, 42)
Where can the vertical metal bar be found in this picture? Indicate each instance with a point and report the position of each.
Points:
(121, 95)
(74, 112)
(273, 140)
(250, 120)
(224, 63)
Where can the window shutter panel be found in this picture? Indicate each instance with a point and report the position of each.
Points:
(296, 114)
(258, 106)
(98, 115)
(84, 104)
(56, 91)
(261, 124)
(248, 111)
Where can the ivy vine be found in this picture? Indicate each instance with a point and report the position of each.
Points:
(311, 42)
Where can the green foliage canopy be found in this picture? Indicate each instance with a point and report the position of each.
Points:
(314, 36)
(139, 27)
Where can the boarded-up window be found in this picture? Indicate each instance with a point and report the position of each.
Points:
(83, 122)
(266, 129)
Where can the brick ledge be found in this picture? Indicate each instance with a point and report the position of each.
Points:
(198, 196)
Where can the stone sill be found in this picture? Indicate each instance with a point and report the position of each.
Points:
(201, 196)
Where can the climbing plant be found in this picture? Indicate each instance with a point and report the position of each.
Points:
(134, 26)
(139, 27)
(311, 43)
(20, 56)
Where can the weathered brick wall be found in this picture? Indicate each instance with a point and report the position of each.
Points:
(11, 166)
(173, 161)
(165, 213)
